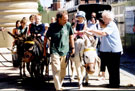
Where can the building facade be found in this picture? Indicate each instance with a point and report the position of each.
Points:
(10, 12)
(57, 4)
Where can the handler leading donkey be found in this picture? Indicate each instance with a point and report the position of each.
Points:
(85, 57)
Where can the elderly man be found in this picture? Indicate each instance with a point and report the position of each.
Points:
(61, 35)
(110, 48)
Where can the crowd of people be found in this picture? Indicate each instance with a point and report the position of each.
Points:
(35, 28)
(62, 35)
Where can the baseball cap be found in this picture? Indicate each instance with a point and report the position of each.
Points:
(80, 14)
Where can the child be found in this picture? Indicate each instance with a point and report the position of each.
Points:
(23, 29)
(80, 24)
(32, 20)
(37, 29)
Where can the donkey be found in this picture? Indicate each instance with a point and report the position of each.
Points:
(33, 52)
(19, 41)
(85, 57)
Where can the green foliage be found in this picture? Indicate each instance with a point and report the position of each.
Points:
(46, 16)
(40, 7)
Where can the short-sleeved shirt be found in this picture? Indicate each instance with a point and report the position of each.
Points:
(111, 42)
(59, 38)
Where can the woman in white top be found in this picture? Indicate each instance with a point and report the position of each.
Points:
(110, 48)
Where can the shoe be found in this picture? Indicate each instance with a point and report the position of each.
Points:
(112, 86)
(72, 79)
(60, 89)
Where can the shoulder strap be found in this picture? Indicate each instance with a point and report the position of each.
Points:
(97, 26)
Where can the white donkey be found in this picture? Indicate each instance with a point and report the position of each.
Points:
(85, 57)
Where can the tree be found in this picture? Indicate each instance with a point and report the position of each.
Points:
(40, 7)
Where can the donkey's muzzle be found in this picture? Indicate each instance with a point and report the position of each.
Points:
(90, 69)
(27, 57)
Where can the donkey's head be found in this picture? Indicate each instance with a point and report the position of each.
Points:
(28, 50)
(89, 54)
(32, 50)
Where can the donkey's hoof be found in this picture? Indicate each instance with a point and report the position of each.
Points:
(72, 79)
(86, 83)
(24, 75)
(21, 76)
(46, 74)
(80, 86)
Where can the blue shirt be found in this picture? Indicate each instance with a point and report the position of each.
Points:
(79, 27)
(37, 29)
(111, 42)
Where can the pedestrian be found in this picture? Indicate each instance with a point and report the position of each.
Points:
(46, 28)
(53, 20)
(93, 24)
(90, 22)
(103, 65)
(61, 35)
(110, 48)
(47, 58)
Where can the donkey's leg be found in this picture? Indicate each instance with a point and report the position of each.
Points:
(99, 64)
(32, 69)
(37, 70)
(83, 71)
(42, 68)
(20, 67)
(47, 70)
(79, 72)
(28, 67)
(20, 64)
(73, 69)
(24, 74)
(47, 60)
(87, 78)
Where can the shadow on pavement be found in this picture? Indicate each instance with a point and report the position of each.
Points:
(128, 62)
(10, 82)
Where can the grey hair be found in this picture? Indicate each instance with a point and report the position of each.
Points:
(108, 14)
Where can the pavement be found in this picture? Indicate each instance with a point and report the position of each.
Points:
(10, 79)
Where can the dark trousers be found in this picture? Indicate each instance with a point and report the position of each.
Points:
(112, 61)
(103, 61)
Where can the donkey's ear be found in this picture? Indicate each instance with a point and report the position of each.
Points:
(84, 66)
(95, 43)
(86, 42)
